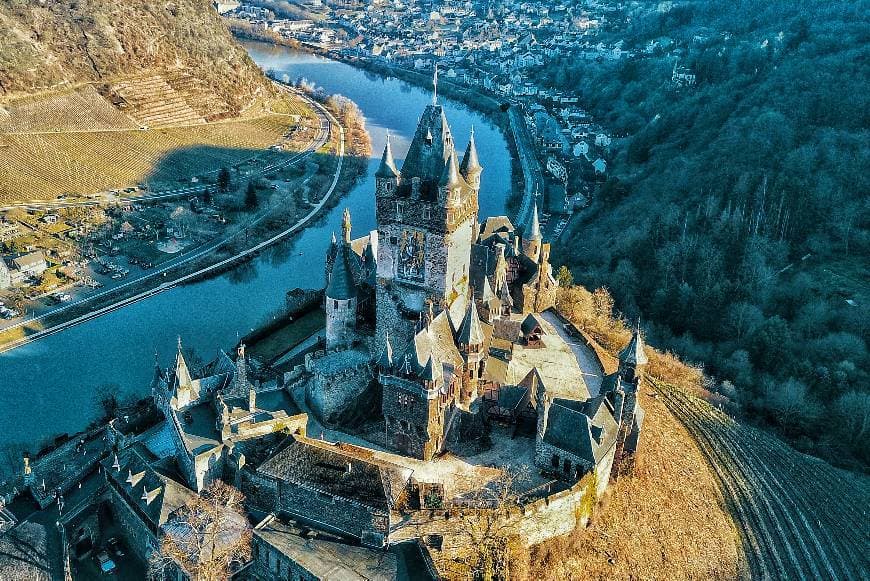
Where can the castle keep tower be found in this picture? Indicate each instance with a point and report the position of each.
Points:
(427, 217)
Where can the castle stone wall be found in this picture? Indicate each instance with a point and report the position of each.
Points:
(338, 378)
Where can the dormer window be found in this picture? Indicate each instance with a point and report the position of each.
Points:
(429, 137)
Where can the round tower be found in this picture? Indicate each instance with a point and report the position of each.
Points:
(341, 295)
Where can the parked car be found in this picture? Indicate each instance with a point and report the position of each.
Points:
(107, 565)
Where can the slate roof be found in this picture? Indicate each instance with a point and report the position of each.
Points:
(427, 161)
(470, 163)
(496, 224)
(155, 493)
(387, 167)
(588, 437)
(326, 556)
(341, 280)
(470, 330)
(340, 470)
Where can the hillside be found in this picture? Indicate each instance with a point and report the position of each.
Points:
(711, 497)
(48, 45)
(736, 220)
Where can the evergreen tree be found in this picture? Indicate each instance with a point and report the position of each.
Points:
(224, 179)
(251, 196)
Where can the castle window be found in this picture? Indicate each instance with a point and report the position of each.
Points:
(554, 461)
(567, 466)
(394, 240)
(334, 304)
(400, 208)
(427, 214)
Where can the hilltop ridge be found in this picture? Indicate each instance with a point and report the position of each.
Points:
(54, 45)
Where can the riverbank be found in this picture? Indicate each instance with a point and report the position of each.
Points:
(198, 266)
(521, 193)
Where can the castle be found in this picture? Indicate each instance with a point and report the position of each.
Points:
(441, 331)
(442, 315)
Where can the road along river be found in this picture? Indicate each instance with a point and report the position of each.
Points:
(48, 387)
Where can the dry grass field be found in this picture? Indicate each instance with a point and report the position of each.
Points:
(45, 165)
(669, 521)
(145, 127)
(711, 497)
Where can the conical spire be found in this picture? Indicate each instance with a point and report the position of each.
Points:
(341, 284)
(387, 169)
(470, 163)
(535, 225)
(345, 226)
(450, 177)
(634, 353)
(470, 331)
(182, 373)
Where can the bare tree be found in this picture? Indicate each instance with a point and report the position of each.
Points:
(486, 539)
(209, 537)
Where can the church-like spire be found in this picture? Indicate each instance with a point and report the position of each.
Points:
(387, 169)
(182, 373)
(535, 225)
(470, 166)
(345, 226)
(634, 353)
(241, 383)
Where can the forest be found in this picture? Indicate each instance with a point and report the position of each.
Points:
(735, 222)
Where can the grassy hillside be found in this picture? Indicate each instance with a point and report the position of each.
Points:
(50, 44)
(45, 165)
(711, 497)
(737, 218)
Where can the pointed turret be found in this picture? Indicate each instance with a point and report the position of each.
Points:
(470, 331)
(470, 167)
(387, 169)
(341, 284)
(241, 384)
(450, 176)
(182, 373)
(535, 224)
(634, 353)
(632, 359)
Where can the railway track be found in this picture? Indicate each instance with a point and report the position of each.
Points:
(798, 517)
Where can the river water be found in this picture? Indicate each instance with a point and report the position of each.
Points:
(49, 387)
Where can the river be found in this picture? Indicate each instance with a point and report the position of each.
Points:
(49, 387)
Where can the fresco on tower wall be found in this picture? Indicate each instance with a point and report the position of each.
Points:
(412, 255)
